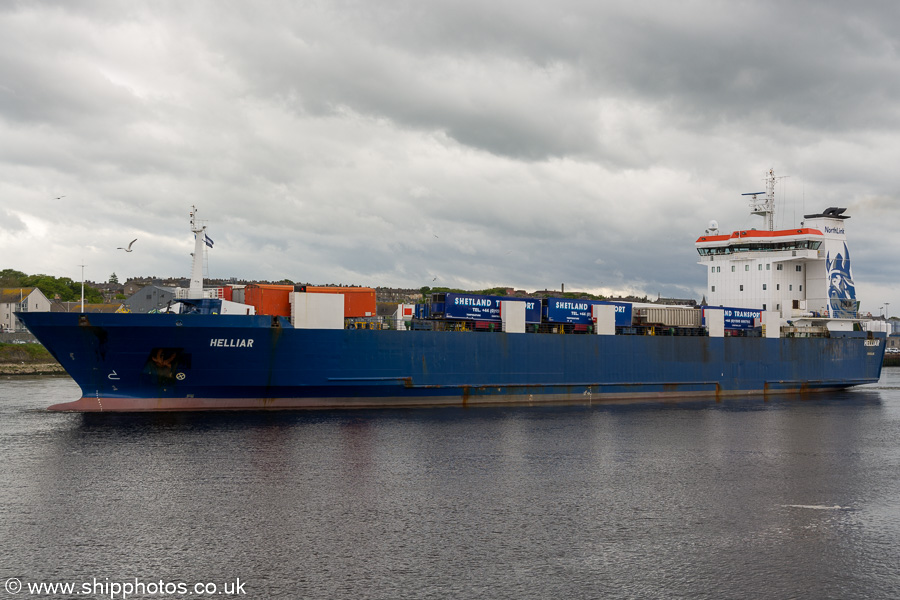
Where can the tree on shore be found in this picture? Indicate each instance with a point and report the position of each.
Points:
(10, 277)
(54, 288)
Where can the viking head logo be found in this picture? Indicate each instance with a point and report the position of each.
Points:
(840, 281)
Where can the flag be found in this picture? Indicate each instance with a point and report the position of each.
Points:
(207, 240)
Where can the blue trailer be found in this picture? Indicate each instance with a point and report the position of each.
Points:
(579, 312)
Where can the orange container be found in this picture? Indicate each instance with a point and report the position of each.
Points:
(358, 301)
(269, 298)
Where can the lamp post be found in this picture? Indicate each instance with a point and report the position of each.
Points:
(82, 287)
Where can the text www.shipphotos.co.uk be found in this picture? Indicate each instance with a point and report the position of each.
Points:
(122, 590)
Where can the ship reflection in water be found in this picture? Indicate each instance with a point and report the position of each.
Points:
(790, 497)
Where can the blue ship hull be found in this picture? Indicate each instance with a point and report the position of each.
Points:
(131, 362)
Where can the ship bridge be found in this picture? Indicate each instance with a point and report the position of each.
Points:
(804, 271)
(753, 240)
(760, 269)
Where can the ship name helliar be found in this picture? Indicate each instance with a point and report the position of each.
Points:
(231, 343)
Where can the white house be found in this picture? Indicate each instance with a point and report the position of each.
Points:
(22, 299)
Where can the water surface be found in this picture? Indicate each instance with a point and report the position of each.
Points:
(779, 498)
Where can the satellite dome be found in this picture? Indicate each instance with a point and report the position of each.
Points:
(713, 226)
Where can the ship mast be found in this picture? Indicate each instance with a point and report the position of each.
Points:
(196, 289)
(765, 207)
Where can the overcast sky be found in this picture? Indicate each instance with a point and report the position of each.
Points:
(457, 143)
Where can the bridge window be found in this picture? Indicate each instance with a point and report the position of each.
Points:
(761, 247)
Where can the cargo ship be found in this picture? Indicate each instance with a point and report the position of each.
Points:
(781, 318)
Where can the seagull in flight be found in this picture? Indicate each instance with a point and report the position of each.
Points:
(128, 249)
(60, 197)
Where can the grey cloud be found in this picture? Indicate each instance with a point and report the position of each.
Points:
(331, 142)
(10, 223)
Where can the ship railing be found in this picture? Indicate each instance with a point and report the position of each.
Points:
(557, 328)
(184, 293)
(808, 331)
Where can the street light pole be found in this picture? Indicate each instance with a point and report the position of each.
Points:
(82, 287)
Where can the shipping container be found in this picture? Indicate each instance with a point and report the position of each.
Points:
(358, 301)
(737, 318)
(423, 311)
(564, 310)
(670, 316)
(470, 307)
(269, 299)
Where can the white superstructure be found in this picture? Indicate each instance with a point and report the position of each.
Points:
(795, 272)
